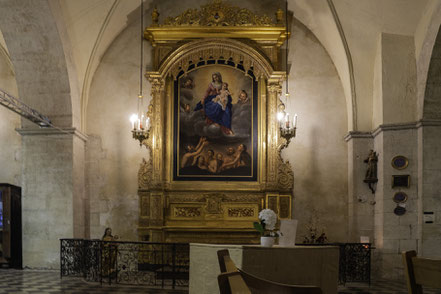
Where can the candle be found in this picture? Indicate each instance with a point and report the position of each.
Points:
(295, 120)
(133, 119)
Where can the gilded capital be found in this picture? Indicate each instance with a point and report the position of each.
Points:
(275, 87)
(157, 84)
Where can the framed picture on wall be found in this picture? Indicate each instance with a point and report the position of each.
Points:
(400, 197)
(400, 162)
(215, 124)
(401, 181)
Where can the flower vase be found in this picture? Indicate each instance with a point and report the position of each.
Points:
(267, 241)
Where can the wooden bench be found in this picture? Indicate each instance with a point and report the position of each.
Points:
(420, 272)
(235, 281)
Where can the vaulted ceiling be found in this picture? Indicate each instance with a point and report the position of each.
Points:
(349, 30)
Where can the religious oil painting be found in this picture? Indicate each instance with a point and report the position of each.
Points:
(215, 124)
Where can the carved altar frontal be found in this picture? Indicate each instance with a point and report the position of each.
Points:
(214, 146)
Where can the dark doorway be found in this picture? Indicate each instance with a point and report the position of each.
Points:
(10, 226)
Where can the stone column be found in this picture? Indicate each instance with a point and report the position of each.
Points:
(429, 175)
(53, 198)
(394, 233)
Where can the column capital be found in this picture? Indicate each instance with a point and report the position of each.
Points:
(52, 132)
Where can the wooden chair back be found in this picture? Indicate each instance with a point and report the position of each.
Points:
(235, 281)
(420, 272)
(225, 262)
(230, 280)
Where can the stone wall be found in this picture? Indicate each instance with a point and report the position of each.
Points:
(394, 233)
(113, 157)
(10, 155)
(318, 154)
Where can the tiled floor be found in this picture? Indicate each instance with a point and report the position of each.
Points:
(381, 287)
(45, 282)
(42, 282)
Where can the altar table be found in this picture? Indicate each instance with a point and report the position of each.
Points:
(300, 265)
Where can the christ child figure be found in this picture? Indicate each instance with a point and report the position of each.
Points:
(222, 97)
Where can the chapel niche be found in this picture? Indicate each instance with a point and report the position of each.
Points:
(214, 153)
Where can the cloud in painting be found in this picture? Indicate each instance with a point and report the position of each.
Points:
(193, 123)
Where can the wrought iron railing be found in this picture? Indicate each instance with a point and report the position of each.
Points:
(164, 265)
(354, 261)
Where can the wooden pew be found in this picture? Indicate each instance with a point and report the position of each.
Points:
(420, 272)
(235, 281)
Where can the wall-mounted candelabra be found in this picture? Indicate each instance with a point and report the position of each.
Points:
(287, 125)
(141, 120)
(140, 125)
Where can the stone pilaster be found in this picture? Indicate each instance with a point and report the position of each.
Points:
(53, 198)
(394, 233)
(429, 195)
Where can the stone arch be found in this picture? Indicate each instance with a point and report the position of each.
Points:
(36, 51)
(432, 97)
(329, 32)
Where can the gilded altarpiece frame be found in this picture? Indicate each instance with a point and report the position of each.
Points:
(208, 210)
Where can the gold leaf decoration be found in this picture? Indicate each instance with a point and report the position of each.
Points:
(241, 212)
(145, 174)
(187, 212)
(218, 13)
(285, 176)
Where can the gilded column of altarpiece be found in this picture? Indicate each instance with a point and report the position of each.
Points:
(214, 159)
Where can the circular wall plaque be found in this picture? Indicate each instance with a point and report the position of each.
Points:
(399, 210)
(400, 197)
(400, 162)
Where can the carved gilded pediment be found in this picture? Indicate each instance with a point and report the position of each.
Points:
(219, 20)
(218, 13)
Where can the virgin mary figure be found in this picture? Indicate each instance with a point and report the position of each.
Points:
(215, 112)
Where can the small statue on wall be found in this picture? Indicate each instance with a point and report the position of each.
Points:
(371, 172)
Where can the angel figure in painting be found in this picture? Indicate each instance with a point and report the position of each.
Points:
(242, 158)
(189, 158)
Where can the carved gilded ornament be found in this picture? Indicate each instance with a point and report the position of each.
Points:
(214, 204)
(145, 174)
(211, 49)
(202, 197)
(187, 211)
(285, 176)
(217, 20)
(157, 84)
(218, 13)
(241, 212)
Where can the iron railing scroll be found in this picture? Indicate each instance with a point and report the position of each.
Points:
(164, 265)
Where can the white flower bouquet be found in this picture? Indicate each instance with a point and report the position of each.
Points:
(267, 223)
